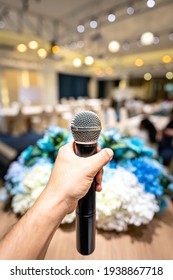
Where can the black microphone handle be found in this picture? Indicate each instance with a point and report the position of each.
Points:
(86, 209)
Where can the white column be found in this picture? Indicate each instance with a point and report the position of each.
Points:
(93, 88)
(49, 84)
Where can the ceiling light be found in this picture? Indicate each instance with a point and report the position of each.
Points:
(33, 45)
(156, 40)
(126, 46)
(139, 62)
(80, 28)
(73, 45)
(89, 60)
(98, 72)
(77, 62)
(171, 36)
(109, 70)
(42, 53)
(93, 23)
(150, 3)
(114, 46)
(147, 38)
(55, 49)
(21, 48)
(166, 59)
(147, 76)
(130, 11)
(111, 17)
(80, 44)
(169, 75)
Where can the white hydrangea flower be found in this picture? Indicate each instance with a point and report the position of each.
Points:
(68, 219)
(37, 177)
(3, 194)
(123, 202)
(21, 203)
(32, 185)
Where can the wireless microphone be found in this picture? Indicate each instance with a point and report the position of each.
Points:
(86, 128)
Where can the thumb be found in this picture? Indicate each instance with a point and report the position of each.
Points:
(100, 159)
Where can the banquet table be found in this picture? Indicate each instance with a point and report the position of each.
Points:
(153, 241)
(8, 118)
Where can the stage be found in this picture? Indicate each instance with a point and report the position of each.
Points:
(154, 241)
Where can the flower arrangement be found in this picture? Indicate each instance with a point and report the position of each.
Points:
(135, 183)
(142, 161)
(123, 201)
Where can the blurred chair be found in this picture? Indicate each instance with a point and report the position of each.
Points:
(8, 118)
(64, 114)
(32, 116)
(48, 116)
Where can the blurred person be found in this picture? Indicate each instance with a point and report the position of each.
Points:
(165, 147)
(149, 128)
(70, 180)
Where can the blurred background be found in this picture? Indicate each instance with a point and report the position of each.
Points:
(60, 57)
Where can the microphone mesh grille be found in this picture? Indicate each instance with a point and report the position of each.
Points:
(86, 127)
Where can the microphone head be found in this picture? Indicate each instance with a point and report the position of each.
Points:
(86, 127)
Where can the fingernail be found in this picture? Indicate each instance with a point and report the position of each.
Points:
(110, 152)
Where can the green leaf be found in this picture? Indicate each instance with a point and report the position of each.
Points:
(119, 145)
(129, 154)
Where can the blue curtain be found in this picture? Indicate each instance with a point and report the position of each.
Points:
(102, 89)
(73, 86)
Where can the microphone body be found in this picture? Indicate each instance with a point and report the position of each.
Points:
(86, 209)
(86, 128)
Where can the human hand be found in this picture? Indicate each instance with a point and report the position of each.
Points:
(72, 175)
(70, 180)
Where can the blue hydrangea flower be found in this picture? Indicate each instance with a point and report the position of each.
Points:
(170, 187)
(163, 204)
(55, 130)
(146, 151)
(17, 173)
(137, 145)
(134, 144)
(148, 175)
(112, 133)
(17, 189)
(14, 176)
(154, 163)
(69, 138)
(43, 161)
(108, 173)
(26, 154)
(101, 143)
(112, 164)
(45, 143)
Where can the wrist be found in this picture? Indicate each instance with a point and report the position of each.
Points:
(51, 207)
